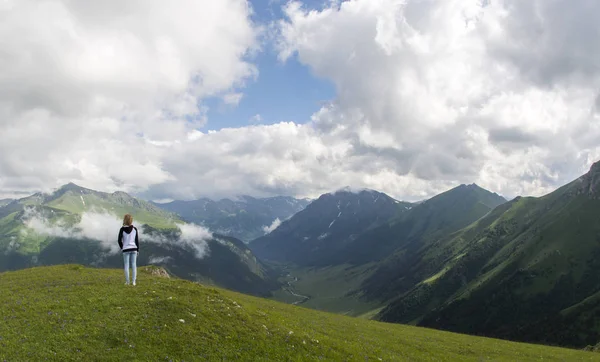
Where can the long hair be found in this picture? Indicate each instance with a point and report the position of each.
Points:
(128, 220)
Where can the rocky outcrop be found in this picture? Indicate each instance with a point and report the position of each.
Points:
(590, 182)
(156, 271)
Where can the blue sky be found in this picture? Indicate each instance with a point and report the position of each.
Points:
(282, 92)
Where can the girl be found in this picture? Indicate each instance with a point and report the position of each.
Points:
(129, 244)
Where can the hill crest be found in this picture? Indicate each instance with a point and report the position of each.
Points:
(72, 313)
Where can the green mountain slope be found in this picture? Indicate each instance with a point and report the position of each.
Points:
(434, 218)
(527, 271)
(78, 225)
(244, 218)
(371, 268)
(71, 313)
(63, 209)
(325, 228)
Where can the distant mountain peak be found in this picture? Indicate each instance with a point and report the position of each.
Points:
(121, 193)
(463, 192)
(70, 186)
(472, 186)
(591, 181)
(354, 190)
(64, 189)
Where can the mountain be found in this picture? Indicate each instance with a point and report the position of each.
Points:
(79, 225)
(76, 200)
(436, 217)
(245, 218)
(374, 266)
(4, 202)
(68, 313)
(527, 271)
(327, 226)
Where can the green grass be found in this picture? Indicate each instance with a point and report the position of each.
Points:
(68, 312)
(328, 289)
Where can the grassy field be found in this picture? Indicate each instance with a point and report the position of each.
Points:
(67, 313)
(327, 289)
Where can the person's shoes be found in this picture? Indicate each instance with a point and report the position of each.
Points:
(134, 283)
(126, 283)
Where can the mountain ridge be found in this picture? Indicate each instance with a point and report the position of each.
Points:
(245, 218)
(75, 224)
(523, 272)
(325, 226)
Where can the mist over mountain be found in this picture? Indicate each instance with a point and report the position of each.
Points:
(4, 202)
(245, 217)
(79, 225)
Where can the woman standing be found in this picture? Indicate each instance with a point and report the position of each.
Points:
(129, 244)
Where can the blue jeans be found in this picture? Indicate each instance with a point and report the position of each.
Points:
(130, 259)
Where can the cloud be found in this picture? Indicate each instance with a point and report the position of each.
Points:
(103, 227)
(429, 94)
(100, 226)
(233, 99)
(196, 237)
(433, 90)
(85, 85)
(159, 260)
(274, 225)
(257, 118)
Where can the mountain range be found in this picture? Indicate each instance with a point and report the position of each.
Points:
(78, 225)
(326, 227)
(245, 218)
(466, 260)
(528, 271)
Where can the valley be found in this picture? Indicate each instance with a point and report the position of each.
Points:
(328, 289)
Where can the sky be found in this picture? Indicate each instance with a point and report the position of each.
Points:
(202, 98)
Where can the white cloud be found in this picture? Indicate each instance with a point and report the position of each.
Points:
(87, 88)
(103, 226)
(274, 225)
(196, 237)
(458, 91)
(159, 260)
(99, 225)
(430, 93)
(257, 118)
(233, 99)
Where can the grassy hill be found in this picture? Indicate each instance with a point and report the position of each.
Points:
(70, 313)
